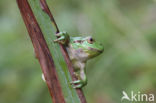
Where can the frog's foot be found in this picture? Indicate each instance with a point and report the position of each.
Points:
(62, 38)
(78, 83)
(78, 86)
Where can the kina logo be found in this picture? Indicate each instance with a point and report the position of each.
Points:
(137, 97)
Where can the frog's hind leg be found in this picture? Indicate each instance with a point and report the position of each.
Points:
(79, 83)
(82, 79)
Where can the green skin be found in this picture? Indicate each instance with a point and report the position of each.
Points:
(79, 49)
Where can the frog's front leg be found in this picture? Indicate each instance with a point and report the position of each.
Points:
(82, 79)
(62, 38)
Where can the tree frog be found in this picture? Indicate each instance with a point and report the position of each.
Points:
(80, 49)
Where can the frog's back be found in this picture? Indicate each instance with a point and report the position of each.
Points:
(75, 39)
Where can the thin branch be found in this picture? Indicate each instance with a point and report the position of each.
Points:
(45, 8)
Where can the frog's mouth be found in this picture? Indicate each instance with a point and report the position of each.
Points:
(96, 50)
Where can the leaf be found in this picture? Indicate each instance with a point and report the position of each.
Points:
(41, 30)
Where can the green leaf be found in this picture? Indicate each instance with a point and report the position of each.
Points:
(48, 31)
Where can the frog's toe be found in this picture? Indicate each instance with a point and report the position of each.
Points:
(56, 41)
(78, 86)
(61, 34)
(75, 82)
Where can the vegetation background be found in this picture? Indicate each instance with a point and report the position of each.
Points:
(126, 28)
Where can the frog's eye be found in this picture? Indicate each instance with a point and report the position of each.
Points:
(90, 40)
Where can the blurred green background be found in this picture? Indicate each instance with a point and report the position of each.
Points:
(126, 28)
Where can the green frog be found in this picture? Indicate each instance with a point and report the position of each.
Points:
(80, 49)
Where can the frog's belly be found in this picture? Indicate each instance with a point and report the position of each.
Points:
(77, 54)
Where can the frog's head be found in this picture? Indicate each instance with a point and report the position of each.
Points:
(92, 47)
